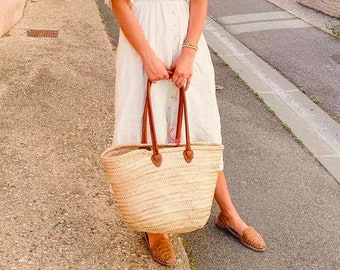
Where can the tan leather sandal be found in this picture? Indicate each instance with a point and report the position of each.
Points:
(249, 238)
(162, 251)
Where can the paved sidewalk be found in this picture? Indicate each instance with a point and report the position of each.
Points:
(56, 117)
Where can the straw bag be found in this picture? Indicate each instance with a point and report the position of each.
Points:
(166, 188)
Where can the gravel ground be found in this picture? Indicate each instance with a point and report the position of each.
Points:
(56, 117)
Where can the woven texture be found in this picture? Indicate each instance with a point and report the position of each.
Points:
(173, 198)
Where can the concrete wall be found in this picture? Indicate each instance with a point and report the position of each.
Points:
(330, 7)
(11, 12)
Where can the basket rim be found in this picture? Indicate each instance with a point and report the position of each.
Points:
(163, 145)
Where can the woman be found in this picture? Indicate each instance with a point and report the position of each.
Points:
(158, 36)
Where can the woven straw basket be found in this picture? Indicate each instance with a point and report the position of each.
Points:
(165, 188)
(174, 198)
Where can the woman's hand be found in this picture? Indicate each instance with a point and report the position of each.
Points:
(183, 65)
(154, 67)
(182, 68)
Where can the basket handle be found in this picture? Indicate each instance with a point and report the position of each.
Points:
(182, 109)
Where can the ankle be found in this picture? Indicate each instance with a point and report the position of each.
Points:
(234, 221)
(154, 237)
(230, 215)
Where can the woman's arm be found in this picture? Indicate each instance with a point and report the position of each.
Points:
(154, 67)
(198, 12)
(183, 65)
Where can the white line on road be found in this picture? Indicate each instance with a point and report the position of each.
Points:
(255, 17)
(265, 26)
(254, 22)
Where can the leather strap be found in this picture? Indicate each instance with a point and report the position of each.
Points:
(188, 153)
(179, 118)
(156, 157)
(182, 109)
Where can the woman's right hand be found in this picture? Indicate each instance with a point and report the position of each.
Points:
(155, 68)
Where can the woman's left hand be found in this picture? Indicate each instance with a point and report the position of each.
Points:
(182, 68)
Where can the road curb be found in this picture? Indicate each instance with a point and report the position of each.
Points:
(317, 130)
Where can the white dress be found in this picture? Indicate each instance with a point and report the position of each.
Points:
(164, 23)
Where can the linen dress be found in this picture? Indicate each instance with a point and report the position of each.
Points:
(164, 23)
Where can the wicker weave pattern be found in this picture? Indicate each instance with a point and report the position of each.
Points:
(173, 198)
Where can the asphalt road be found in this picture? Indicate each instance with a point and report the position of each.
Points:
(277, 187)
(307, 56)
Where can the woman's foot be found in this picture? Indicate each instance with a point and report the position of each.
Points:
(160, 248)
(241, 231)
(229, 220)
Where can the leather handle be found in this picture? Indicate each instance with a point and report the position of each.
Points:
(182, 111)
(156, 157)
(188, 153)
